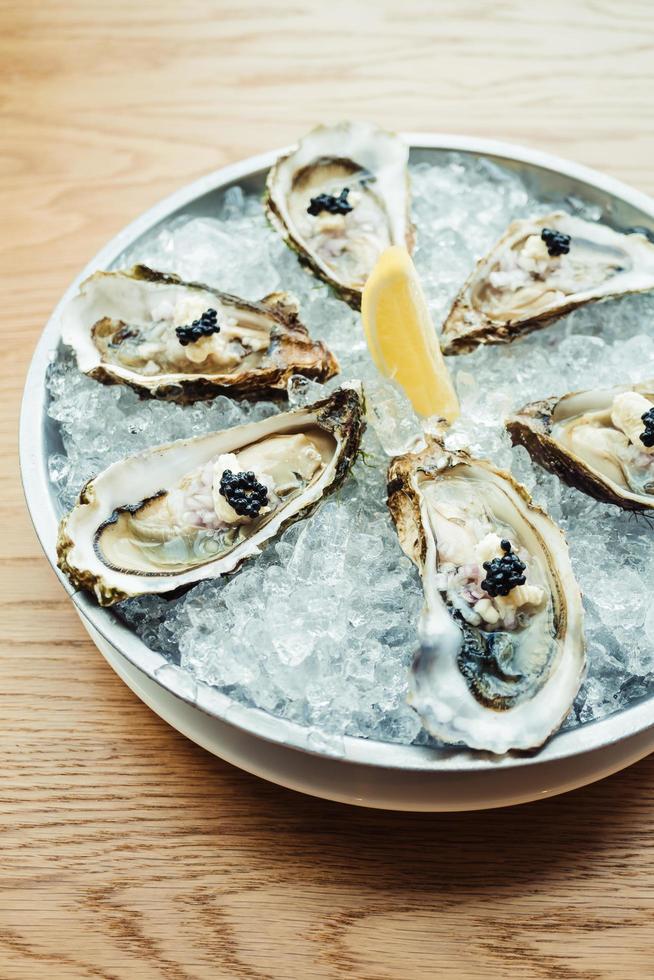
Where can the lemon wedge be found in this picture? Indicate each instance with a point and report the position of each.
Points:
(401, 337)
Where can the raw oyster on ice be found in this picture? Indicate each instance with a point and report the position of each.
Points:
(540, 269)
(197, 508)
(501, 653)
(600, 441)
(184, 341)
(339, 198)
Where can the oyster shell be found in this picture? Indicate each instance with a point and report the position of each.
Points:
(122, 327)
(169, 516)
(494, 671)
(519, 286)
(366, 165)
(592, 441)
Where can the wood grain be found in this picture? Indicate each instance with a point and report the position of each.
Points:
(127, 852)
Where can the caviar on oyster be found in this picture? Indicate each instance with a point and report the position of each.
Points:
(197, 508)
(540, 269)
(599, 441)
(339, 198)
(502, 648)
(183, 341)
(206, 325)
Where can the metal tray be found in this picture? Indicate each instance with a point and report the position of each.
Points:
(619, 739)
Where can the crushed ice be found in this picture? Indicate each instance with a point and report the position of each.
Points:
(321, 628)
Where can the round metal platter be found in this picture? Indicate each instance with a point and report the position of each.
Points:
(355, 770)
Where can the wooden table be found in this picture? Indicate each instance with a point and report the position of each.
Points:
(127, 852)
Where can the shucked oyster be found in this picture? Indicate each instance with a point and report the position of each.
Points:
(600, 441)
(502, 648)
(339, 199)
(184, 341)
(197, 508)
(540, 269)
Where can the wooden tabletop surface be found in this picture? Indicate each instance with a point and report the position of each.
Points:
(126, 851)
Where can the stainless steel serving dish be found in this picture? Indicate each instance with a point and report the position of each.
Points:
(350, 769)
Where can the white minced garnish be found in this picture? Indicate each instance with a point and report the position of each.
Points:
(534, 257)
(329, 224)
(487, 611)
(519, 267)
(489, 547)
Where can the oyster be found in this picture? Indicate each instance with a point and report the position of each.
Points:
(339, 198)
(502, 648)
(540, 269)
(197, 508)
(185, 341)
(600, 441)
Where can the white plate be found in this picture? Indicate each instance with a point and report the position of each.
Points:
(354, 770)
(389, 789)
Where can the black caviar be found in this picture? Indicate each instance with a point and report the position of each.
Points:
(503, 574)
(327, 202)
(647, 435)
(204, 327)
(243, 492)
(557, 242)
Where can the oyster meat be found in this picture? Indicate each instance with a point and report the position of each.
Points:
(339, 198)
(197, 508)
(184, 341)
(501, 653)
(540, 269)
(600, 441)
